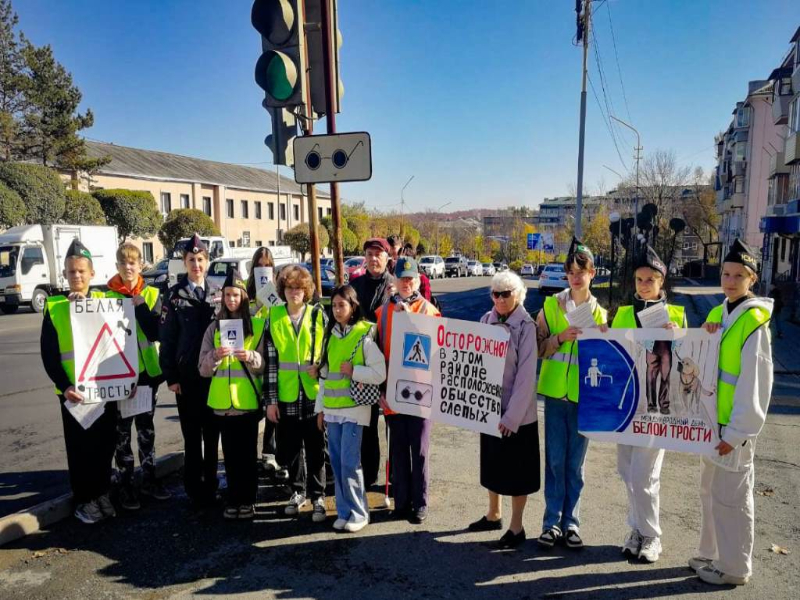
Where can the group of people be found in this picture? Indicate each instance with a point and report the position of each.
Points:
(315, 371)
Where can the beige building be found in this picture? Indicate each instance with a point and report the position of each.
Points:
(251, 207)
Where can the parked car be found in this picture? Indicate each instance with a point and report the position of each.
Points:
(527, 270)
(327, 263)
(354, 266)
(218, 270)
(455, 266)
(433, 266)
(488, 269)
(553, 278)
(158, 276)
(474, 268)
(539, 270)
(327, 279)
(499, 267)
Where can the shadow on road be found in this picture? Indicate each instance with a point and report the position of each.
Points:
(25, 489)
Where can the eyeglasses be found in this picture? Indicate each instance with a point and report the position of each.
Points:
(503, 294)
(406, 392)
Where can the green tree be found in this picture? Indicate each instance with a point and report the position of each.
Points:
(133, 212)
(40, 188)
(184, 223)
(83, 209)
(12, 83)
(445, 245)
(12, 208)
(299, 240)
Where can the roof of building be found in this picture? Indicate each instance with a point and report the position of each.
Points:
(152, 164)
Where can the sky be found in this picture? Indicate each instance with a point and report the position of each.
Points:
(478, 101)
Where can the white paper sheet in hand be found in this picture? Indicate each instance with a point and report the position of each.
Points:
(86, 414)
(581, 317)
(654, 316)
(231, 334)
(141, 403)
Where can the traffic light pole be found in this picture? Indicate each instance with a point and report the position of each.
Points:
(330, 119)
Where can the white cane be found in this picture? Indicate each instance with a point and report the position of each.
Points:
(630, 377)
(386, 501)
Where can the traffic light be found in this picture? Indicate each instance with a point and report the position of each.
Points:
(281, 140)
(280, 71)
(316, 60)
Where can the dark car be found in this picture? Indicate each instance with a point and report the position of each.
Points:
(455, 266)
(327, 278)
(158, 276)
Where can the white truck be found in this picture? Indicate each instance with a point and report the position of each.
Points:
(32, 261)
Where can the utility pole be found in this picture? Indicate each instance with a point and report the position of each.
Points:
(583, 22)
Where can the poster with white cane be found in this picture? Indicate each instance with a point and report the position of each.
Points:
(654, 388)
(447, 370)
(106, 348)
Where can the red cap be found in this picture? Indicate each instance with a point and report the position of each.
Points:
(377, 243)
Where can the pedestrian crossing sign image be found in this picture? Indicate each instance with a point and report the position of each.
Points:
(417, 351)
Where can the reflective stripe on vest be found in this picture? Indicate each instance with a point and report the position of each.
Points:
(626, 318)
(337, 385)
(295, 353)
(230, 386)
(148, 351)
(734, 336)
(58, 309)
(558, 377)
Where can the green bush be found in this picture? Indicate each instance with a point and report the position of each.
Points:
(298, 239)
(83, 209)
(12, 208)
(133, 212)
(40, 189)
(516, 266)
(183, 223)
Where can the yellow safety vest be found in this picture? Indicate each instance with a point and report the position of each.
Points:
(337, 384)
(295, 353)
(231, 387)
(626, 318)
(559, 374)
(58, 309)
(734, 337)
(148, 351)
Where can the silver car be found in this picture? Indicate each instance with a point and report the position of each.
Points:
(488, 269)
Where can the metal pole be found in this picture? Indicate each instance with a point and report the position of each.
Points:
(330, 118)
(582, 135)
(638, 157)
(403, 204)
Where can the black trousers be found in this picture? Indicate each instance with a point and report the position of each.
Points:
(90, 452)
(371, 450)
(200, 440)
(240, 449)
(269, 444)
(301, 449)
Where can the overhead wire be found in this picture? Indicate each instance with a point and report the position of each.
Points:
(616, 58)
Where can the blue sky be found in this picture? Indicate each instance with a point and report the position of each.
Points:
(477, 100)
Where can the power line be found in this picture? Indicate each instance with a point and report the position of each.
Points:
(616, 57)
(607, 122)
(606, 99)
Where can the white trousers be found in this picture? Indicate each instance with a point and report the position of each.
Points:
(640, 469)
(728, 515)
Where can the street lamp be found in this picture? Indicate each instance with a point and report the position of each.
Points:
(638, 156)
(403, 203)
(438, 210)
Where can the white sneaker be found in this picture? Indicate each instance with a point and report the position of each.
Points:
(716, 577)
(650, 550)
(698, 562)
(270, 464)
(353, 526)
(339, 524)
(632, 543)
(296, 502)
(89, 513)
(319, 514)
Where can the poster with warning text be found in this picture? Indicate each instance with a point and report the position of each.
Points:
(447, 370)
(106, 349)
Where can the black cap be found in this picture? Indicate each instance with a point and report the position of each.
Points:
(743, 254)
(578, 246)
(648, 258)
(195, 245)
(76, 248)
(235, 280)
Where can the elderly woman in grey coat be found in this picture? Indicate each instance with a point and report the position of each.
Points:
(510, 464)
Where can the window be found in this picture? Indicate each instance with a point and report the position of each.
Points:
(783, 249)
(319, 212)
(296, 212)
(329, 212)
(166, 203)
(245, 239)
(229, 203)
(207, 205)
(743, 117)
(272, 242)
(271, 211)
(794, 115)
(30, 258)
(258, 210)
(282, 210)
(147, 252)
(245, 210)
(185, 201)
(259, 243)
(785, 88)
(740, 151)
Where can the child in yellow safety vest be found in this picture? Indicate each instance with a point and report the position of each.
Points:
(744, 387)
(640, 468)
(565, 448)
(349, 354)
(235, 394)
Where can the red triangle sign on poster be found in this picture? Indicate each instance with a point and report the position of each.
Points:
(106, 330)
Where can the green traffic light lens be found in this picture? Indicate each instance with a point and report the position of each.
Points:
(281, 77)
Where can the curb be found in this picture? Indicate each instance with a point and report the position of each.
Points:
(36, 518)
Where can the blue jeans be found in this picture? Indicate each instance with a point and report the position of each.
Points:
(344, 446)
(564, 453)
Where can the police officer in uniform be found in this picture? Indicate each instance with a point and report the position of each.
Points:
(89, 451)
(185, 316)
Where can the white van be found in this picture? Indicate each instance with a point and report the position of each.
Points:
(32, 261)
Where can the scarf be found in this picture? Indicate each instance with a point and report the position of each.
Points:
(396, 299)
(117, 285)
